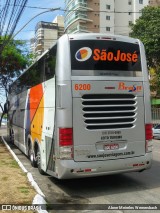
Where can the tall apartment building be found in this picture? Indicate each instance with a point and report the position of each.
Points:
(46, 34)
(154, 3)
(104, 16)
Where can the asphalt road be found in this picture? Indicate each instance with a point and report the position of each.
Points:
(128, 188)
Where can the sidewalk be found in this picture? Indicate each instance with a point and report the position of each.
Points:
(15, 187)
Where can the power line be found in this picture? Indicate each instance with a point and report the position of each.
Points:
(9, 18)
(87, 28)
(107, 11)
(92, 11)
(100, 11)
(46, 11)
(32, 7)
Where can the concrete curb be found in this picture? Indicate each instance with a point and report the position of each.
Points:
(39, 198)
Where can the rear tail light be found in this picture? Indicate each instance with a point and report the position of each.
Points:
(65, 137)
(148, 129)
(66, 143)
(149, 137)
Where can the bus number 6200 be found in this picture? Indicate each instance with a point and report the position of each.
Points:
(82, 87)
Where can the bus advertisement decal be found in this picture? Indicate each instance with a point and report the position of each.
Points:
(103, 55)
(107, 155)
(132, 88)
(83, 54)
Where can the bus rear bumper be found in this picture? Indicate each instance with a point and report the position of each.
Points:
(66, 169)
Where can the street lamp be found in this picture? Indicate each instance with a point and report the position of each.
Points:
(46, 11)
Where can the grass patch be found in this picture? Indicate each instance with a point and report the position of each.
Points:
(4, 178)
(23, 189)
(15, 187)
(14, 164)
(9, 163)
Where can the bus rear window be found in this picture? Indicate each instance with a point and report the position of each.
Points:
(103, 57)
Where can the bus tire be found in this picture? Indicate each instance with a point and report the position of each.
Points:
(31, 156)
(39, 162)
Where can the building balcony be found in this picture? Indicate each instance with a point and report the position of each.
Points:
(77, 7)
(39, 36)
(78, 17)
(38, 53)
(81, 5)
(79, 29)
(45, 25)
(40, 32)
(39, 46)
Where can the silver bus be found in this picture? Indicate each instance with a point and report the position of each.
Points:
(83, 108)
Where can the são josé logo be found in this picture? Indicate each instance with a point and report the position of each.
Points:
(83, 54)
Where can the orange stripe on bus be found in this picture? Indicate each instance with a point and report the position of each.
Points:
(35, 96)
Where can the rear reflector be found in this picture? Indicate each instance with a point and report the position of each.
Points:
(83, 170)
(66, 153)
(65, 136)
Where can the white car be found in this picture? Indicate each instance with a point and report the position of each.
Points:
(156, 131)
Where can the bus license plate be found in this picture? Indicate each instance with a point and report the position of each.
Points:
(111, 146)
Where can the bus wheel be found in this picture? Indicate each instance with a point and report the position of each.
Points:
(39, 163)
(31, 156)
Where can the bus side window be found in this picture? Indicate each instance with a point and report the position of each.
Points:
(50, 64)
(35, 74)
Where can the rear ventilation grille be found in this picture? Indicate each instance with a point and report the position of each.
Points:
(109, 111)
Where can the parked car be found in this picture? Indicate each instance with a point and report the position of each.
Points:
(156, 131)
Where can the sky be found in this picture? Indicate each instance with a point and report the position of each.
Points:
(28, 32)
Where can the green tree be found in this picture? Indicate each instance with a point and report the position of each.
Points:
(13, 60)
(147, 29)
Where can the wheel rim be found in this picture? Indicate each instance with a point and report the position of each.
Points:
(30, 154)
(31, 157)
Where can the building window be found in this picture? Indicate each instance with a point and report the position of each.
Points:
(108, 28)
(129, 2)
(108, 7)
(108, 17)
(129, 13)
(140, 1)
